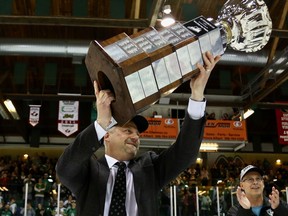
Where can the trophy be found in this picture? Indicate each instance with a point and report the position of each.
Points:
(141, 68)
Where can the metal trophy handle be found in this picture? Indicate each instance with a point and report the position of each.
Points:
(150, 64)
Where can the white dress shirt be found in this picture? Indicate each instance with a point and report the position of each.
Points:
(196, 110)
(131, 204)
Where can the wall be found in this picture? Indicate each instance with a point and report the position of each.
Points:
(249, 157)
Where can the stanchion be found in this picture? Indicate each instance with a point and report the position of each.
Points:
(26, 199)
(175, 203)
(197, 201)
(171, 200)
(218, 201)
(287, 195)
(58, 199)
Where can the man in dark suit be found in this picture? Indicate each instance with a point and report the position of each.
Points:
(91, 180)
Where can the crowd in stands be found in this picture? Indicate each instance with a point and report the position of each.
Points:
(224, 116)
(36, 174)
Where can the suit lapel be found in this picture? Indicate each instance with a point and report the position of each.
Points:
(103, 178)
(135, 168)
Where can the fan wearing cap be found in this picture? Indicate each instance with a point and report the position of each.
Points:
(91, 179)
(251, 199)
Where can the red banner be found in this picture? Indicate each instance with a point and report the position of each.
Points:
(282, 126)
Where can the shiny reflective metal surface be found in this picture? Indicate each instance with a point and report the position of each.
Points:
(247, 23)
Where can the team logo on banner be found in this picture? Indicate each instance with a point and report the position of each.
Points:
(68, 117)
(34, 114)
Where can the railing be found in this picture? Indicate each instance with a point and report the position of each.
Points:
(220, 209)
(220, 198)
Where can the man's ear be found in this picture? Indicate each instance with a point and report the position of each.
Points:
(106, 136)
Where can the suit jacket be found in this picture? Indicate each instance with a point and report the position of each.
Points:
(86, 177)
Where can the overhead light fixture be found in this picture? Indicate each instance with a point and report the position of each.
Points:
(242, 145)
(246, 114)
(9, 105)
(167, 18)
(278, 162)
(209, 147)
(3, 112)
(50, 179)
(199, 160)
(3, 189)
(219, 182)
(167, 9)
(200, 193)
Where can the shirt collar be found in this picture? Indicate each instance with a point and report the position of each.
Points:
(111, 161)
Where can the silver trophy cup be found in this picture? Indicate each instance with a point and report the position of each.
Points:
(141, 68)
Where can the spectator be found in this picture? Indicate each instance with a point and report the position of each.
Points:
(48, 181)
(215, 175)
(72, 210)
(185, 202)
(40, 211)
(189, 202)
(68, 201)
(13, 206)
(225, 116)
(192, 176)
(30, 210)
(1, 198)
(4, 182)
(39, 190)
(164, 201)
(211, 116)
(6, 210)
(204, 176)
(62, 209)
(206, 202)
(15, 185)
(49, 209)
(30, 181)
(250, 195)
(154, 114)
